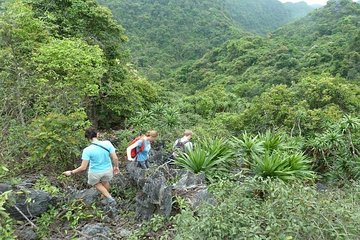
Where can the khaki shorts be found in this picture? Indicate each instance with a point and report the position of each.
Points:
(94, 178)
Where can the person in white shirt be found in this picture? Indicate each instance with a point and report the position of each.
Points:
(183, 144)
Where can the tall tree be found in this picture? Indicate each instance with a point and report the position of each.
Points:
(94, 24)
(20, 35)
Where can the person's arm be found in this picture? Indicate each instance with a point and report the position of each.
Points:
(174, 145)
(83, 167)
(115, 162)
(189, 146)
(128, 150)
(113, 157)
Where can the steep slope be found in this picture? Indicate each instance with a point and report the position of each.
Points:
(299, 9)
(263, 16)
(165, 34)
(327, 40)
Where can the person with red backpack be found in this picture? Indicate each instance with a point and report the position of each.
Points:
(140, 147)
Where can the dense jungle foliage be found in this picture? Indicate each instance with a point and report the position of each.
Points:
(272, 95)
(167, 34)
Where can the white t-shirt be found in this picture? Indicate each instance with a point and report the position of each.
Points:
(188, 146)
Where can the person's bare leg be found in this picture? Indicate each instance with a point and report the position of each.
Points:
(102, 189)
(106, 185)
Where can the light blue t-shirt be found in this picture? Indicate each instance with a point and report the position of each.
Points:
(99, 159)
(142, 156)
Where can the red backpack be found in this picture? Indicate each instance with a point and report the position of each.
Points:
(135, 151)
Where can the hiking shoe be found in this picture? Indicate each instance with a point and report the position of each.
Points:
(108, 201)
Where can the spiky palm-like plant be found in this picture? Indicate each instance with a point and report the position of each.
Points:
(195, 161)
(145, 114)
(142, 119)
(171, 116)
(211, 156)
(158, 108)
(348, 124)
(217, 147)
(283, 166)
(272, 141)
(327, 142)
(249, 147)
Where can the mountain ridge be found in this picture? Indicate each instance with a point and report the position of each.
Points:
(327, 40)
(166, 34)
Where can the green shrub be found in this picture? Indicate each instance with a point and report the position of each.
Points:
(77, 211)
(249, 146)
(13, 146)
(343, 169)
(44, 184)
(45, 221)
(156, 227)
(211, 156)
(55, 140)
(283, 166)
(335, 151)
(273, 155)
(272, 141)
(258, 209)
(71, 213)
(125, 136)
(3, 170)
(6, 223)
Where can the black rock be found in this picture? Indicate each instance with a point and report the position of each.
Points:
(89, 196)
(31, 203)
(4, 187)
(26, 234)
(97, 231)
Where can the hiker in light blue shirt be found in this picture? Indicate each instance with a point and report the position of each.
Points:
(99, 159)
(142, 156)
(103, 163)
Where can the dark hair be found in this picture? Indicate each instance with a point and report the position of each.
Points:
(91, 133)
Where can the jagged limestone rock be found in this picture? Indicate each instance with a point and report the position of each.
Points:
(97, 231)
(192, 188)
(154, 198)
(89, 196)
(30, 202)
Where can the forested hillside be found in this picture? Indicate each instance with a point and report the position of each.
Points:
(326, 41)
(167, 34)
(275, 150)
(264, 16)
(299, 9)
